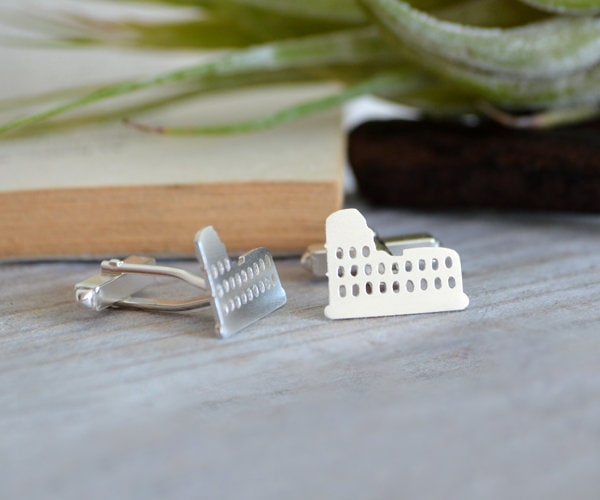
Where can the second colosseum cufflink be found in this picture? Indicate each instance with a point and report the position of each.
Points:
(366, 278)
(240, 291)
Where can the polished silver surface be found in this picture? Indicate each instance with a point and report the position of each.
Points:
(239, 292)
(119, 280)
(243, 291)
(108, 287)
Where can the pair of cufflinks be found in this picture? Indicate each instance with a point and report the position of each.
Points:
(367, 277)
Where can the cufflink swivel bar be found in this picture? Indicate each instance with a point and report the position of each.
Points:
(239, 291)
(118, 280)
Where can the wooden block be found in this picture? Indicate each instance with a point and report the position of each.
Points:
(441, 165)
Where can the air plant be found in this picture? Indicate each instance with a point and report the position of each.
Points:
(532, 64)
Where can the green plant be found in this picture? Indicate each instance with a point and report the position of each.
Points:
(531, 64)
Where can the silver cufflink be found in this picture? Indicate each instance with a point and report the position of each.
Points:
(240, 291)
(368, 276)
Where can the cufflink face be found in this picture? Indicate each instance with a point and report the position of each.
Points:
(366, 280)
(242, 291)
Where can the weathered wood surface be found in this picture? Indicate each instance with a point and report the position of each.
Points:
(499, 401)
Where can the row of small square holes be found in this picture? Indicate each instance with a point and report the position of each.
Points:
(410, 286)
(408, 267)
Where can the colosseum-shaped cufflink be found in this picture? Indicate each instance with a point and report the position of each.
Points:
(240, 291)
(367, 279)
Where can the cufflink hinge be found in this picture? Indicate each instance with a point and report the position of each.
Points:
(119, 280)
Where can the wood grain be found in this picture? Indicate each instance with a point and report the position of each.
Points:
(499, 401)
(285, 216)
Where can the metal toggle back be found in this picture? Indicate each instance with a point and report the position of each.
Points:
(239, 292)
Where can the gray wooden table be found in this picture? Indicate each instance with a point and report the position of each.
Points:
(499, 401)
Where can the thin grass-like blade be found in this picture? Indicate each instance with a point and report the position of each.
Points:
(384, 85)
(338, 11)
(205, 34)
(224, 27)
(350, 47)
